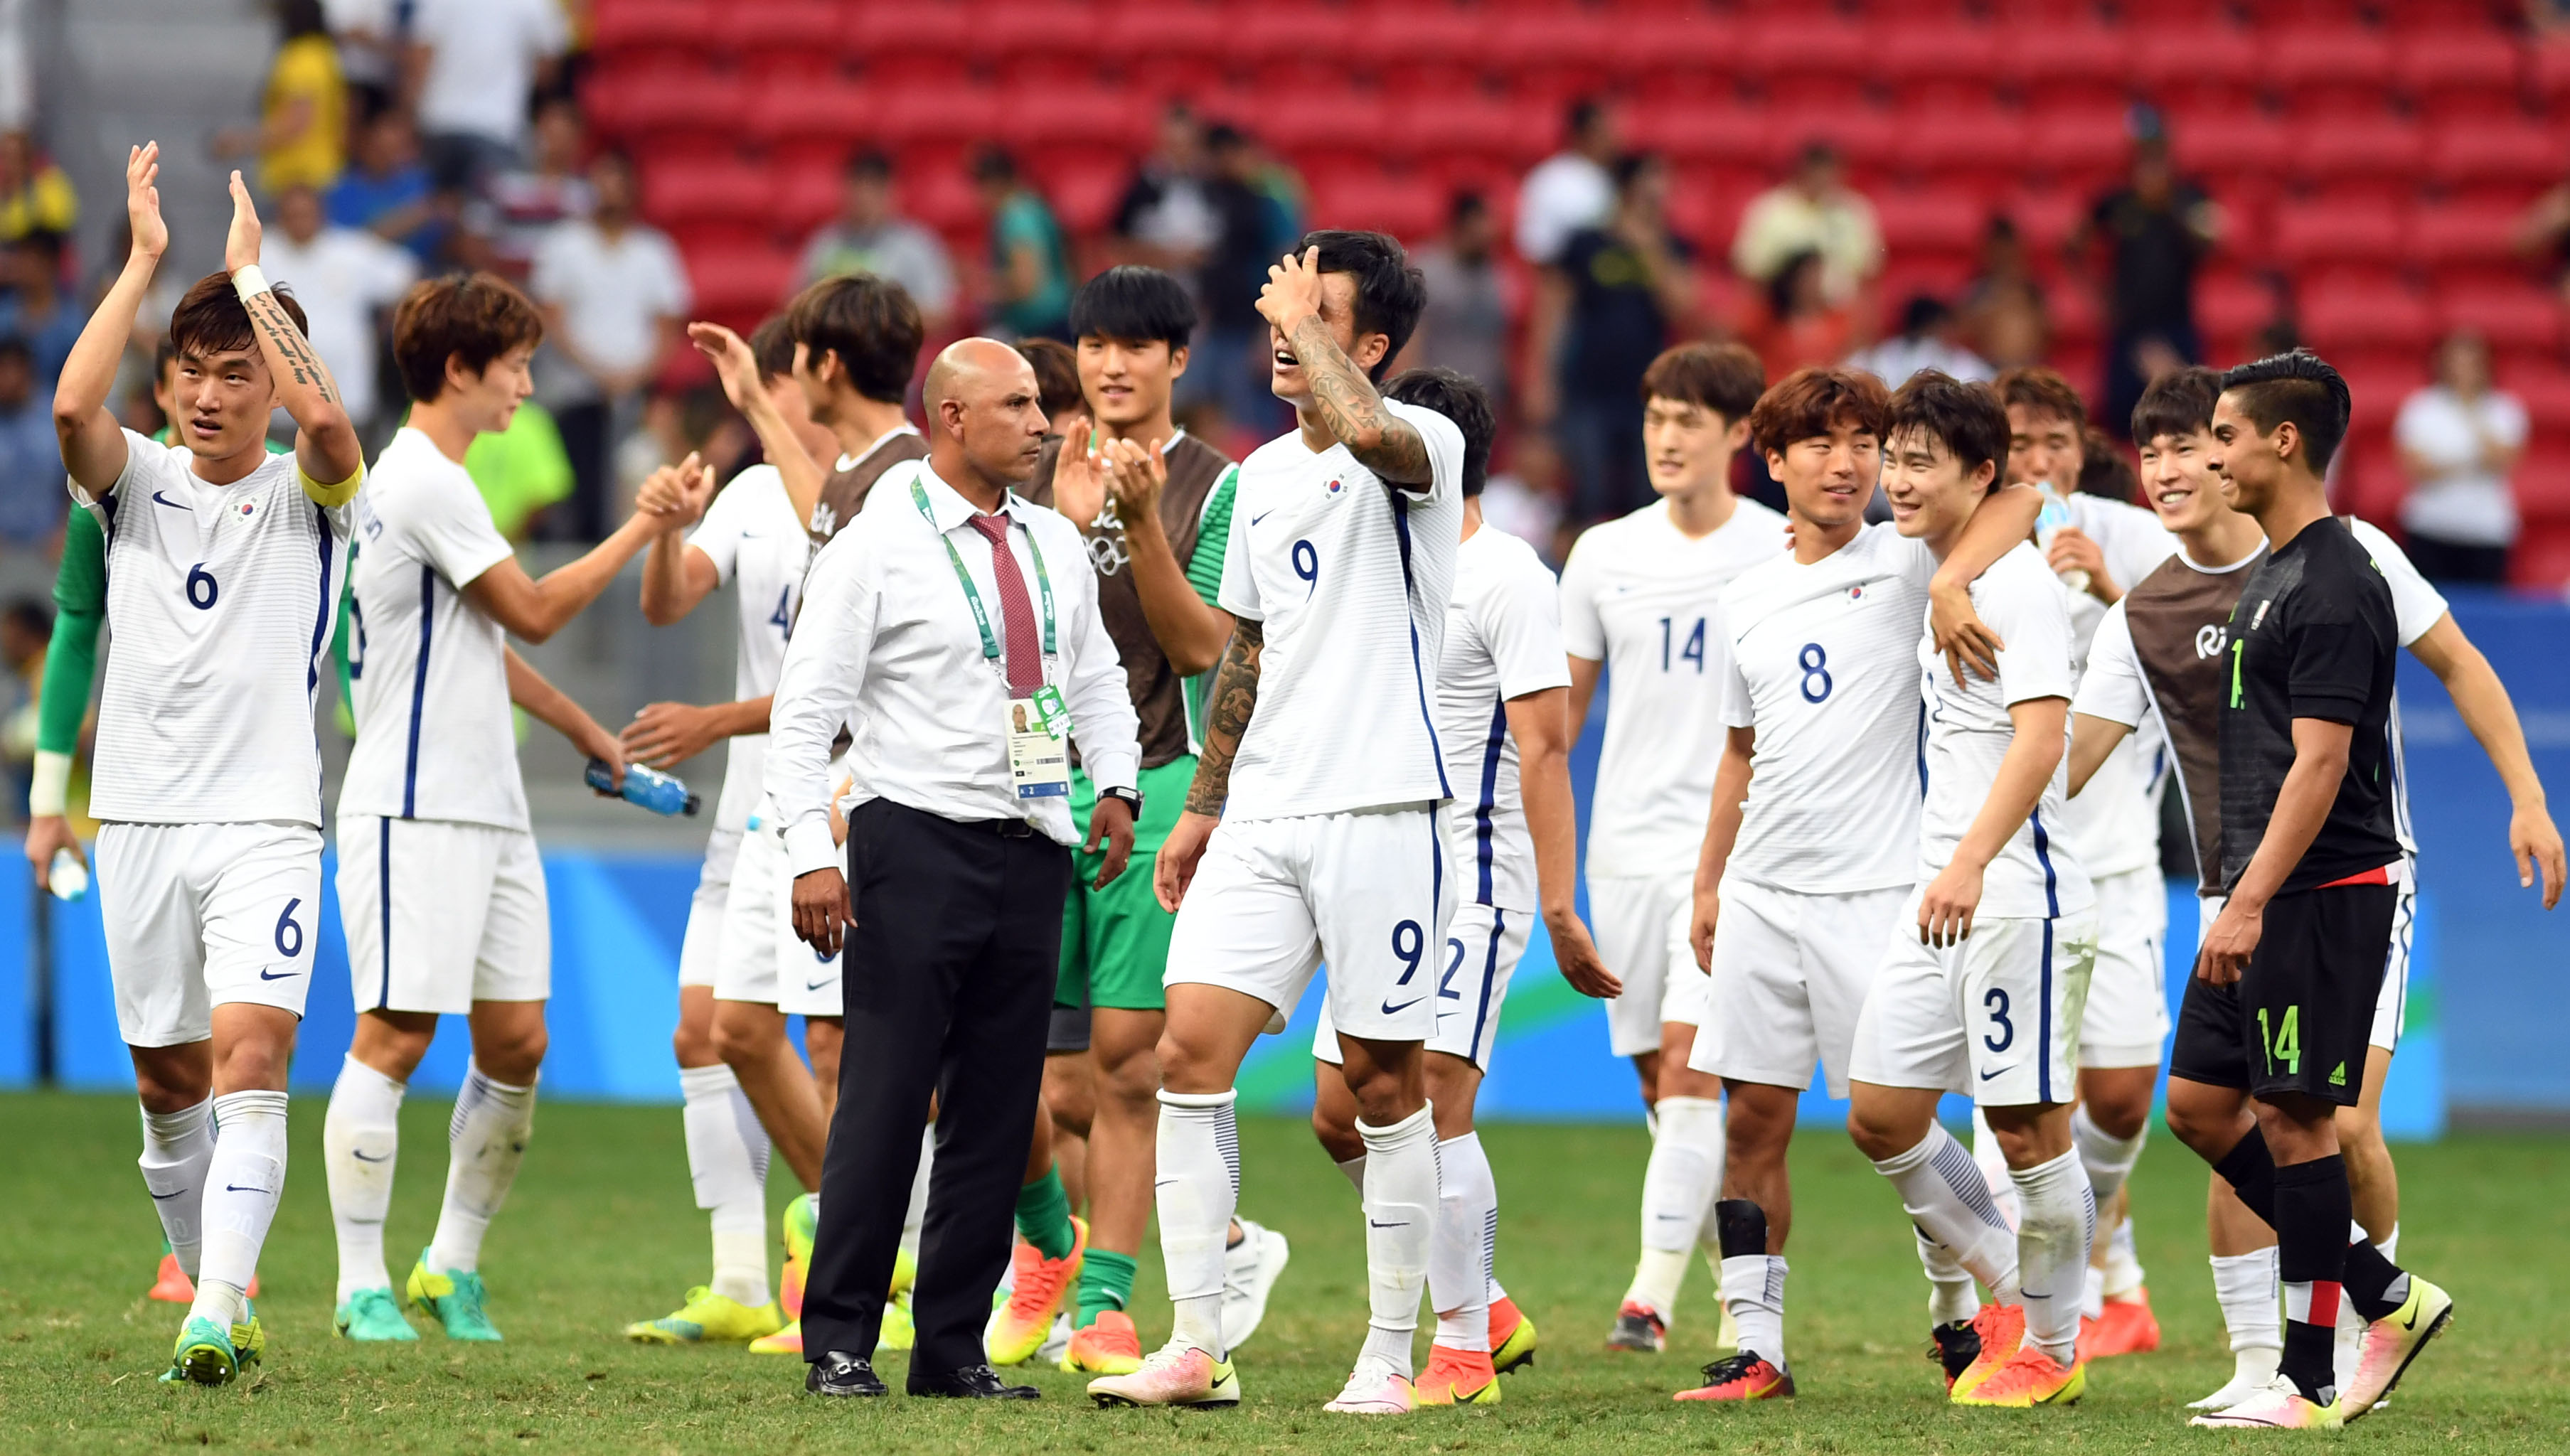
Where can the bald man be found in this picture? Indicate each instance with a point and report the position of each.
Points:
(956, 625)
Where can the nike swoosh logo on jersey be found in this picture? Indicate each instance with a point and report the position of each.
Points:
(280, 976)
(1261, 516)
(165, 500)
(1388, 1010)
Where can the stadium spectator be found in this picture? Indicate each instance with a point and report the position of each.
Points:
(1029, 288)
(1926, 341)
(34, 192)
(302, 131)
(527, 202)
(2157, 228)
(388, 190)
(478, 64)
(1229, 360)
(35, 312)
(345, 277)
(1165, 217)
(1465, 327)
(1813, 211)
(2106, 469)
(870, 235)
(2003, 307)
(520, 471)
(1058, 391)
(1795, 324)
(2459, 437)
(1604, 310)
(32, 503)
(1574, 188)
(614, 297)
(368, 33)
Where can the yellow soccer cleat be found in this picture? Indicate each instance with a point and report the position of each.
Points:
(786, 1342)
(2392, 1342)
(455, 1298)
(1018, 1328)
(708, 1319)
(1110, 1346)
(1457, 1377)
(895, 1332)
(2029, 1379)
(802, 1217)
(2002, 1329)
(1513, 1340)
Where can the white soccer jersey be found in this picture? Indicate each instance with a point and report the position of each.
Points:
(219, 599)
(2417, 605)
(752, 538)
(1503, 642)
(2113, 827)
(1640, 597)
(435, 735)
(1822, 663)
(1969, 733)
(1350, 579)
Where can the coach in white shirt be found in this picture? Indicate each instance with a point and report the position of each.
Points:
(956, 624)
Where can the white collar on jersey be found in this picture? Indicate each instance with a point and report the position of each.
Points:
(851, 462)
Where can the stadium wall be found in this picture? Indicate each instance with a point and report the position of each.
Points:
(2486, 977)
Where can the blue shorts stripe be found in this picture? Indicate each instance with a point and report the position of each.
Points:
(1489, 976)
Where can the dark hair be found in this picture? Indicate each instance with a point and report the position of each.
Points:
(1465, 203)
(771, 345)
(868, 161)
(1583, 114)
(1813, 401)
(1922, 312)
(1629, 165)
(1224, 137)
(2105, 470)
(2299, 386)
(32, 616)
(1817, 150)
(1966, 418)
(870, 323)
(41, 239)
(1724, 378)
(1780, 285)
(300, 18)
(1057, 375)
(993, 163)
(163, 354)
(474, 317)
(2179, 402)
(211, 319)
(2043, 391)
(1461, 398)
(1132, 304)
(1391, 293)
(13, 347)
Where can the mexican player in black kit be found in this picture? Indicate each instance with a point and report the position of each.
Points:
(2282, 998)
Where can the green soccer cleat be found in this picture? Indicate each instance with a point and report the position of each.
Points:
(896, 1333)
(803, 1219)
(708, 1318)
(453, 1299)
(372, 1314)
(206, 1353)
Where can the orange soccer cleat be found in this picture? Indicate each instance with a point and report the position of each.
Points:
(1457, 1377)
(2002, 1329)
(1108, 1346)
(2127, 1327)
(1742, 1377)
(1018, 1328)
(2029, 1379)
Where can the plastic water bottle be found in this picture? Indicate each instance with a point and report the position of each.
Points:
(651, 788)
(67, 876)
(2048, 524)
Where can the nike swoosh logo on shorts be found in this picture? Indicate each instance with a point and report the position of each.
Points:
(280, 976)
(2001, 1072)
(816, 985)
(1388, 1010)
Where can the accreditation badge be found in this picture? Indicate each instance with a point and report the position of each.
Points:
(1039, 745)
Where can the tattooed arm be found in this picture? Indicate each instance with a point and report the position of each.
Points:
(1343, 397)
(1235, 696)
(325, 443)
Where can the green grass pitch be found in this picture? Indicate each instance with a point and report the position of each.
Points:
(601, 1230)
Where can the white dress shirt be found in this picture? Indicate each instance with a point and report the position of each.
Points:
(886, 642)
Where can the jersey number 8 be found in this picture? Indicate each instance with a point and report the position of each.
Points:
(1816, 669)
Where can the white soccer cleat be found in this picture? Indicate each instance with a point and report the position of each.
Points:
(2274, 1406)
(1250, 1270)
(1375, 1388)
(1174, 1374)
(2242, 1386)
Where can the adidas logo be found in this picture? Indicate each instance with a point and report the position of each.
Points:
(2338, 1078)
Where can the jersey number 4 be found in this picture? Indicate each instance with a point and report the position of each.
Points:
(1693, 652)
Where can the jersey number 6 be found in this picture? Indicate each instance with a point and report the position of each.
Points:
(201, 587)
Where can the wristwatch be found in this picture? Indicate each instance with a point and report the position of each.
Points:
(1133, 800)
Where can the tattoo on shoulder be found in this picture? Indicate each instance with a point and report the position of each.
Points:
(1354, 410)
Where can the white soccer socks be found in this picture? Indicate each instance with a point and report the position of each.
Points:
(1459, 1254)
(1950, 1297)
(361, 1136)
(486, 1141)
(1678, 1186)
(2109, 1161)
(1753, 1280)
(1401, 1207)
(176, 1148)
(242, 1181)
(1944, 1194)
(727, 1154)
(2252, 1313)
(2060, 1220)
(1197, 1188)
(1352, 1170)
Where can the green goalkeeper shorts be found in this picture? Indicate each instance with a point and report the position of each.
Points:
(1116, 941)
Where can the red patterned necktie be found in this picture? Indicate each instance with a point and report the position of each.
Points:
(1017, 614)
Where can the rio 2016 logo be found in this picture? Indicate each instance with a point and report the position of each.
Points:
(2210, 640)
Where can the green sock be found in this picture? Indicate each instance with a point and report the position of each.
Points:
(1105, 1283)
(1043, 1215)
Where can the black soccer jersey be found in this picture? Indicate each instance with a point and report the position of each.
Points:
(2312, 636)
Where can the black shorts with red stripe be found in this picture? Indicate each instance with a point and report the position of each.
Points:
(2300, 1016)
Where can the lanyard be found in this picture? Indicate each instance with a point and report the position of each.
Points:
(972, 596)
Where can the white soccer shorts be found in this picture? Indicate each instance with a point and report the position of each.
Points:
(763, 962)
(2391, 1003)
(1790, 975)
(441, 914)
(701, 946)
(1366, 891)
(1995, 1019)
(199, 914)
(1482, 946)
(2126, 1023)
(1641, 923)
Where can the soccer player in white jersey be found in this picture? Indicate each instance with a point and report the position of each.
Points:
(752, 538)
(1641, 601)
(1312, 825)
(224, 565)
(2113, 831)
(1502, 721)
(439, 883)
(1798, 888)
(1982, 985)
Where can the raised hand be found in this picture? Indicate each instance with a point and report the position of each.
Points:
(241, 246)
(1293, 291)
(143, 200)
(1078, 478)
(676, 495)
(733, 363)
(1135, 474)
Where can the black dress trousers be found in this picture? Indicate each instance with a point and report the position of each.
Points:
(948, 985)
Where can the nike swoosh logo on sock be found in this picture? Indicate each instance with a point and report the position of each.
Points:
(163, 1197)
(236, 1188)
(1401, 1223)
(362, 1158)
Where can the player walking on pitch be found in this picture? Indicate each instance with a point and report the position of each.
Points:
(1312, 825)
(1800, 886)
(224, 564)
(1502, 721)
(439, 882)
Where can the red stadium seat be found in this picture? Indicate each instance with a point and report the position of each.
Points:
(635, 102)
(1289, 47)
(2079, 144)
(1938, 64)
(2378, 147)
(649, 25)
(1682, 54)
(1554, 54)
(2518, 151)
(1475, 127)
(2197, 68)
(2547, 71)
(1411, 34)
(2458, 73)
(807, 191)
(744, 281)
(1709, 129)
(2222, 146)
(684, 190)
(1810, 58)
(1398, 206)
(2231, 307)
(950, 114)
(2522, 316)
(2385, 320)
(909, 41)
(1931, 222)
(1153, 33)
(2044, 219)
(812, 27)
(1093, 119)
(1083, 190)
(1345, 122)
(1978, 147)
(2545, 393)
(2328, 68)
(2066, 63)
(2456, 241)
(2541, 559)
(943, 198)
(1865, 137)
(812, 110)
(1055, 41)
(2303, 236)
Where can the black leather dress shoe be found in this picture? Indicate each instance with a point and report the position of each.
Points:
(973, 1383)
(841, 1375)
